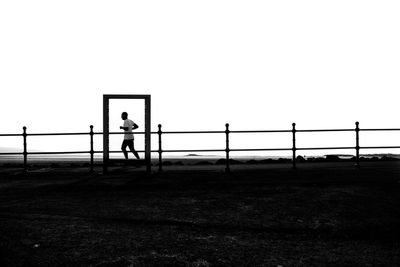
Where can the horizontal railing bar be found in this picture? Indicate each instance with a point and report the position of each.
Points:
(58, 152)
(260, 149)
(382, 129)
(46, 134)
(216, 132)
(193, 132)
(156, 151)
(325, 148)
(325, 130)
(139, 151)
(261, 131)
(177, 150)
(172, 132)
(200, 150)
(119, 151)
(125, 133)
(194, 150)
(101, 133)
(377, 147)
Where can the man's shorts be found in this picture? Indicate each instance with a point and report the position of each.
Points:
(127, 143)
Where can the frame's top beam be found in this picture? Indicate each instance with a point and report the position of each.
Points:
(126, 96)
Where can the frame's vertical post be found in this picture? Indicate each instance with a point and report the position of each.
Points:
(227, 168)
(105, 133)
(294, 145)
(159, 148)
(147, 137)
(357, 144)
(91, 149)
(25, 153)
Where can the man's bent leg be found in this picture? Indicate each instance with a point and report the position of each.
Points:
(123, 148)
(132, 148)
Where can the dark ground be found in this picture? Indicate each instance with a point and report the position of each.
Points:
(326, 214)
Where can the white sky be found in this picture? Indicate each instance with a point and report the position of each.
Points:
(254, 64)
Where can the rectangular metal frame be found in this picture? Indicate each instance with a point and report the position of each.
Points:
(147, 127)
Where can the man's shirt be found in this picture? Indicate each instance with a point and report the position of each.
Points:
(128, 133)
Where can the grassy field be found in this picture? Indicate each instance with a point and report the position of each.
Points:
(327, 214)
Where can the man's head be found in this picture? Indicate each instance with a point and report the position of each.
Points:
(124, 115)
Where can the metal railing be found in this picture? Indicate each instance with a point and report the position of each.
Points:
(226, 150)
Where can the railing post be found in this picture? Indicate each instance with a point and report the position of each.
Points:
(357, 144)
(91, 150)
(159, 149)
(25, 153)
(227, 168)
(294, 145)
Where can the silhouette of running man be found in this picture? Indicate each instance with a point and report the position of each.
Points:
(128, 136)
